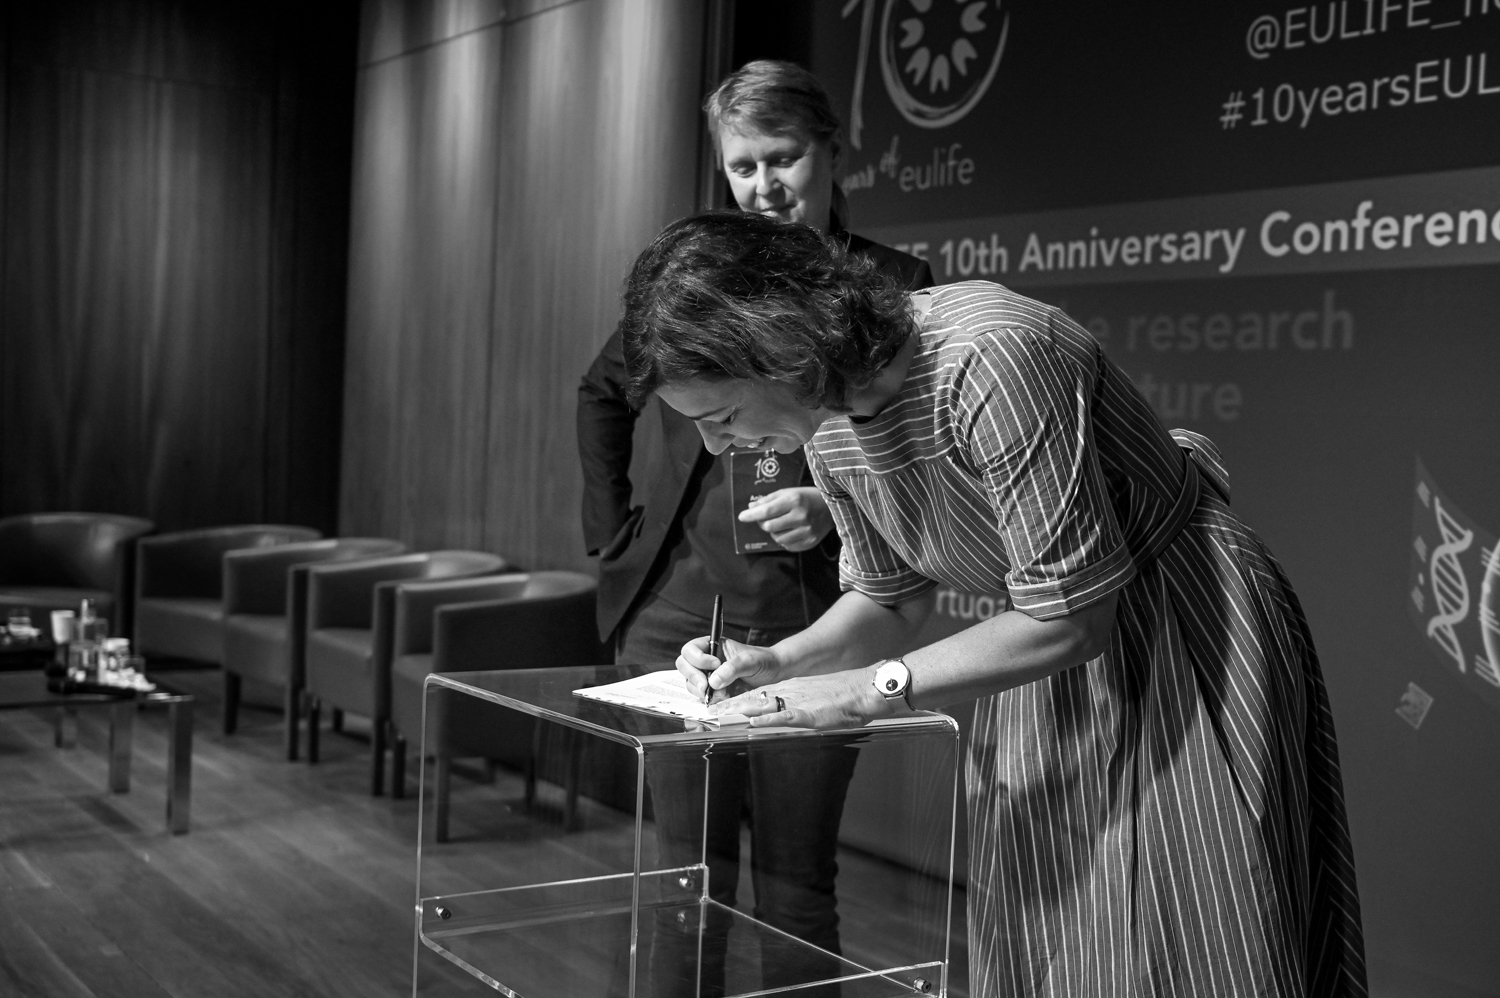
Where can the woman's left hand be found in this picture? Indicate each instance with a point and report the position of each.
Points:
(836, 700)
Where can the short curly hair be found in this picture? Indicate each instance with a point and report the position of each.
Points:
(773, 97)
(732, 294)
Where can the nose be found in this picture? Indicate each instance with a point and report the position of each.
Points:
(764, 181)
(715, 437)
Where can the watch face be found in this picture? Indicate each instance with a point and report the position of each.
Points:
(891, 679)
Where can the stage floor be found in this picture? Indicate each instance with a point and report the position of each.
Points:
(294, 880)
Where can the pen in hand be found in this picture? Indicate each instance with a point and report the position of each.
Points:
(715, 642)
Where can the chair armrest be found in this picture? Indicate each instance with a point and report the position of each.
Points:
(188, 565)
(342, 595)
(416, 601)
(448, 567)
(522, 633)
(255, 581)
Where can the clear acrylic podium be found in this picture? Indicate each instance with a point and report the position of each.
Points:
(597, 879)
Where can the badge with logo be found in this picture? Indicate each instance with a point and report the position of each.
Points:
(752, 475)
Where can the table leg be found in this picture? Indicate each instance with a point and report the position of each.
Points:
(179, 765)
(65, 728)
(442, 779)
(121, 735)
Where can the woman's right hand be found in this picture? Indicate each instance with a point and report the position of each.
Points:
(750, 665)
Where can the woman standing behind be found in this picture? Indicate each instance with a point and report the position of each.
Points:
(666, 550)
(1155, 804)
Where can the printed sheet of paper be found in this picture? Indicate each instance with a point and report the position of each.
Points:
(664, 693)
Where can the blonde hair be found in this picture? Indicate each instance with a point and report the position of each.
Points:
(778, 98)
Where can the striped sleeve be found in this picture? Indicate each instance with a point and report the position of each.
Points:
(867, 563)
(1022, 421)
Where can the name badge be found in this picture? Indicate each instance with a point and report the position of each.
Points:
(754, 474)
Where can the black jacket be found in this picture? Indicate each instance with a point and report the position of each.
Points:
(629, 537)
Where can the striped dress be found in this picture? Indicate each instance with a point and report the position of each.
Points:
(1167, 819)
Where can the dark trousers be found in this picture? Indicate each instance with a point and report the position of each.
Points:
(793, 795)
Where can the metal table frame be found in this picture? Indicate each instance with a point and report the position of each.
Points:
(21, 690)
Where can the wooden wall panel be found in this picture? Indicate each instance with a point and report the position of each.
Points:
(390, 28)
(221, 45)
(137, 259)
(309, 272)
(420, 292)
(6, 335)
(598, 151)
(173, 226)
(505, 177)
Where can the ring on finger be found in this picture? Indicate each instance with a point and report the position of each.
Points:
(780, 705)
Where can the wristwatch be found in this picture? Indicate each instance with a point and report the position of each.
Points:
(893, 680)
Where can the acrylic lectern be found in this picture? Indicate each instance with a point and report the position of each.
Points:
(653, 857)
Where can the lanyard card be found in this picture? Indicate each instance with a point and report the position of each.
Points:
(752, 475)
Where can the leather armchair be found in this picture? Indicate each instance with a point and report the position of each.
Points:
(179, 587)
(265, 617)
(351, 612)
(53, 561)
(521, 621)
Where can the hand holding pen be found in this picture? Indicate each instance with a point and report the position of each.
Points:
(715, 642)
(708, 656)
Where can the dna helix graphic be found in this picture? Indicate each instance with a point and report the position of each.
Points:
(1488, 664)
(1450, 587)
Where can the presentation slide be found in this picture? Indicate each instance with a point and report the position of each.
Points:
(1283, 222)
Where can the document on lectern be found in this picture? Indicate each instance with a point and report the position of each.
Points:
(665, 693)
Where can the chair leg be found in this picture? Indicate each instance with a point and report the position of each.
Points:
(231, 702)
(442, 778)
(336, 720)
(398, 768)
(293, 722)
(314, 719)
(377, 757)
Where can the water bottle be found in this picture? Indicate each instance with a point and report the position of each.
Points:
(85, 653)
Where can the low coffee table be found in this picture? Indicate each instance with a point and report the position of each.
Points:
(24, 654)
(29, 689)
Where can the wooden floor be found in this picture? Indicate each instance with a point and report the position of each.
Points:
(294, 880)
